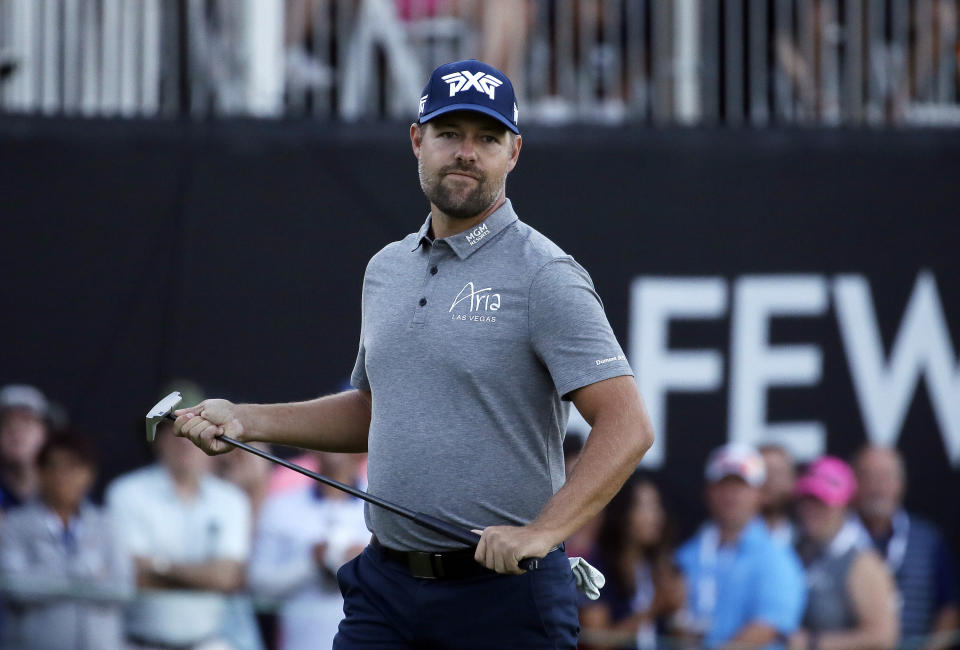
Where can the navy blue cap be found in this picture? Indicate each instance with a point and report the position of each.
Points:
(469, 85)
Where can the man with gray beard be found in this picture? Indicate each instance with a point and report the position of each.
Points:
(914, 549)
(477, 332)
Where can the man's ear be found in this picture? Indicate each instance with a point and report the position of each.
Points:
(416, 138)
(515, 154)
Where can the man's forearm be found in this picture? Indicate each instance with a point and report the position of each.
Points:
(857, 638)
(216, 575)
(618, 440)
(753, 635)
(338, 423)
(945, 628)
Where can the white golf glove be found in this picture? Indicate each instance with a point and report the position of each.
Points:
(589, 580)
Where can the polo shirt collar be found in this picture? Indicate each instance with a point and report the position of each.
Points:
(423, 235)
(465, 243)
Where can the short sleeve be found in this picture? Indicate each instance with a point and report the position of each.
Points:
(781, 596)
(358, 378)
(569, 329)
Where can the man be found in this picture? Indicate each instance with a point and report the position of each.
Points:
(914, 549)
(64, 575)
(474, 332)
(743, 588)
(23, 429)
(304, 535)
(776, 494)
(851, 598)
(189, 533)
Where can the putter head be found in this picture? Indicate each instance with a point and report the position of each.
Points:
(159, 411)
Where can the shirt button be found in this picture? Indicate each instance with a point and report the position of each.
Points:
(433, 270)
(423, 301)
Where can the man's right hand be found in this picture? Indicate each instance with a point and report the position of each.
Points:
(202, 423)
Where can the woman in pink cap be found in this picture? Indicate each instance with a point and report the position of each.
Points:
(851, 598)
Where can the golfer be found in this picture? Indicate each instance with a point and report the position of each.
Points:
(476, 331)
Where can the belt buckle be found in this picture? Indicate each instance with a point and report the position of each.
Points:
(424, 565)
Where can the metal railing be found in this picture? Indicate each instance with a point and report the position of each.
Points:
(730, 62)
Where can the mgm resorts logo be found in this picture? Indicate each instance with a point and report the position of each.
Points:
(477, 234)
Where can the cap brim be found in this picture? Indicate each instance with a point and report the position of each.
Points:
(810, 487)
(469, 107)
(719, 476)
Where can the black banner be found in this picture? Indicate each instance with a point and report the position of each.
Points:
(798, 286)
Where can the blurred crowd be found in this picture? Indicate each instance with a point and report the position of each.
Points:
(609, 61)
(234, 553)
(190, 552)
(827, 560)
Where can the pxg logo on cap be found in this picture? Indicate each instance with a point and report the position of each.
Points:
(469, 85)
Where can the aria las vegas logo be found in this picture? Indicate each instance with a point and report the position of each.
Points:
(465, 80)
(478, 303)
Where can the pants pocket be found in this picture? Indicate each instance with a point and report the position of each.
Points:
(554, 593)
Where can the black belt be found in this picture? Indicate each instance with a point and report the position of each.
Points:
(445, 565)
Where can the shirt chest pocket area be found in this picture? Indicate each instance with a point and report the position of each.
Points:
(483, 304)
(483, 332)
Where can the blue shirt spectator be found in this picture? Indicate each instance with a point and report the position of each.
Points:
(743, 587)
(753, 580)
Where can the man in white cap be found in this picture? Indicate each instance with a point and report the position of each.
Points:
(24, 428)
(743, 588)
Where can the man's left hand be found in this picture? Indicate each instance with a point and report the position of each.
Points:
(502, 547)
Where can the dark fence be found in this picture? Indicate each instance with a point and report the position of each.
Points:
(800, 285)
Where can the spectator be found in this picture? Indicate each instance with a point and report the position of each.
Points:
(643, 588)
(851, 600)
(64, 575)
(242, 627)
(915, 551)
(282, 479)
(250, 473)
(776, 495)
(23, 429)
(189, 533)
(811, 80)
(743, 588)
(504, 31)
(303, 536)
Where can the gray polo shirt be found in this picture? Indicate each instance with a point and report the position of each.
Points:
(468, 345)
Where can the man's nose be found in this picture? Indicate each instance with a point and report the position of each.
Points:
(467, 150)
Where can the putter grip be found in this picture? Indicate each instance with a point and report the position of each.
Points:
(468, 537)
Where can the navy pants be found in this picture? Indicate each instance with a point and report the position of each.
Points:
(386, 607)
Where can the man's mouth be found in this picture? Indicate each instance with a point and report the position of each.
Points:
(462, 174)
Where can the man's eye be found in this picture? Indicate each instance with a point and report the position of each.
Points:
(448, 134)
(489, 139)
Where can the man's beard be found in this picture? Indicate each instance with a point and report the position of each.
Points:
(475, 202)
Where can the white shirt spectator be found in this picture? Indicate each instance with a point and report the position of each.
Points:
(284, 566)
(156, 523)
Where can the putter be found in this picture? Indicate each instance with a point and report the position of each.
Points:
(163, 410)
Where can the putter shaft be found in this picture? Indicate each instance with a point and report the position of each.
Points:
(439, 526)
